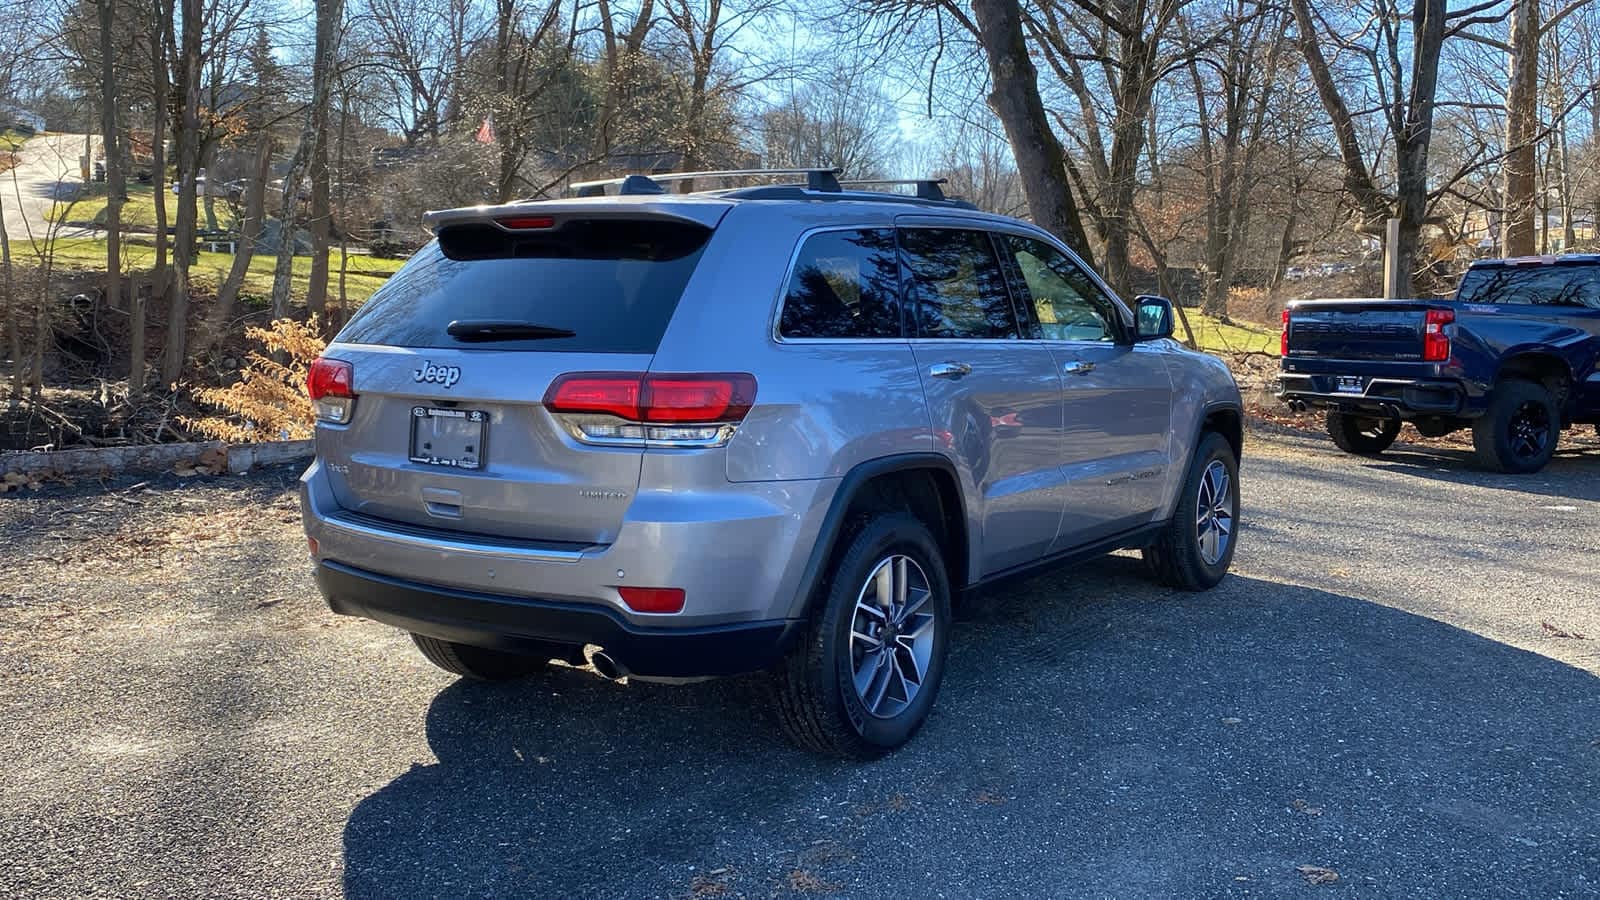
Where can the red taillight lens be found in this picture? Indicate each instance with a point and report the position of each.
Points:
(652, 600)
(331, 386)
(616, 395)
(1283, 339)
(655, 399)
(525, 223)
(330, 378)
(1435, 343)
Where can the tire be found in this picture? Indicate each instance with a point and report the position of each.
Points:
(1519, 432)
(1362, 435)
(1179, 557)
(814, 692)
(479, 663)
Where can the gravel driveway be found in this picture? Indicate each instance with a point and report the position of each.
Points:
(1398, 685)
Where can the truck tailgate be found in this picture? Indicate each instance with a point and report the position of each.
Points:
(1357, 329)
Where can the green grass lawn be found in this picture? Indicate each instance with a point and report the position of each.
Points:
(1214, 336)
(138, 212)
(366, 273)
(11, 140)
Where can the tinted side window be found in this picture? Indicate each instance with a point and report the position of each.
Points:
(957, 287)
(1066, 301)
(1539, 285)
(844, 285)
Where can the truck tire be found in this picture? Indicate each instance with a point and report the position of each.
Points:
(1519, 432)
(1362, 435)
(1194, 549)
(865, 675)
(479, 663)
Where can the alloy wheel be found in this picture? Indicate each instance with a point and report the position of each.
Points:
(892, 636)
(1214, 512)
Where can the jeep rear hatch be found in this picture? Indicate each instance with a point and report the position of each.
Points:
(452, 359)
(1397, 330)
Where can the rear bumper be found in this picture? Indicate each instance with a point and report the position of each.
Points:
(534, 624)
(1389, 397)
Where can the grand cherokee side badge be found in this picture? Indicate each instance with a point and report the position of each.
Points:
(445, 375)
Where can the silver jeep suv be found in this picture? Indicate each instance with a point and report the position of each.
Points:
(776, 428)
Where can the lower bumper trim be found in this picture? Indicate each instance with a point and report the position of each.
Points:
(535, 625)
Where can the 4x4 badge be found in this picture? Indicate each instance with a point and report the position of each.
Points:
(445, 375)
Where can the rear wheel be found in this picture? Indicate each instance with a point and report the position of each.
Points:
(1195, 548)
(866, 674)
(480, 663)
(1519, 432)
(1362, 435)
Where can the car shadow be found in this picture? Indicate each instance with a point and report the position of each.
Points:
(1095, 735)
(1571, 474)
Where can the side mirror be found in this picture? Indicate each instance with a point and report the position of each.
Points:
(1153, 318)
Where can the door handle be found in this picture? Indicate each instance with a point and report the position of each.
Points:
(1077, 367)
(949, 370)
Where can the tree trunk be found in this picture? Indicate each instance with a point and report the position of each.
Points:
(188, 166)
(255, 205)
(159, 275)
(1522, 126)
(1041, 160)
(321, 215)
(329, 15)
(116, 183)
(13, 307)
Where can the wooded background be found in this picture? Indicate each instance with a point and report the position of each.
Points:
(1195, 147)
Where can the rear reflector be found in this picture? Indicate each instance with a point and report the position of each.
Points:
(1435, 343)
(652, 600)
(655, 399)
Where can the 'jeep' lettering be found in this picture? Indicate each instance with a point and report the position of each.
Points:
(430, 373)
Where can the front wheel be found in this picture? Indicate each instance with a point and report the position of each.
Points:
(864, 678)
(1362, 435)
(1195, 547)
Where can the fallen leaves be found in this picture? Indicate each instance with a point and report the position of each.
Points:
(711, 884)
(1301, 806)
(1317, 874)
(805, 882)
(991, 799)
(1559, 632)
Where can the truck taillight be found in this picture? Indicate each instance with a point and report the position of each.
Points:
(1283, 339)
(331, 386)
(1435, 343)
(694, 410)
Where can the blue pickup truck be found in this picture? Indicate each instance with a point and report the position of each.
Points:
(1514, 355)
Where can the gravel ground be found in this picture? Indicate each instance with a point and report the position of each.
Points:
(1398, 685)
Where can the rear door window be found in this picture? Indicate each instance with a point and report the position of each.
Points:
(1537, 285)
(613, 283)
(845, 284)
(957, 288)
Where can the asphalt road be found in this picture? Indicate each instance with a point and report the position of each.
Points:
(1382, 690)
(47, 171)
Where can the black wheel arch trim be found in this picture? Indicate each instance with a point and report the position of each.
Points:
(833, 521)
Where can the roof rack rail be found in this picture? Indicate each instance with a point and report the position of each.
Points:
(817, 179)
(927, 188)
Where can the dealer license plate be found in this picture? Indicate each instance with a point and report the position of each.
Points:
(448, 437)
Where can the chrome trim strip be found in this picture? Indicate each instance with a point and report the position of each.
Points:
(487, 551)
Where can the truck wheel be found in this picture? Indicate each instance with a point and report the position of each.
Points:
(479, 663)
(862, 680)
(1362, 435)
(1519, 432)
(1195, 548)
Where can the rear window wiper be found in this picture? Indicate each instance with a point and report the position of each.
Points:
(475, 330)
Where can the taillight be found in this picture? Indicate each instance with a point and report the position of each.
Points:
(652, 600)
(1435, 343)
(330, 384)
(1283, 339)
(694, 410)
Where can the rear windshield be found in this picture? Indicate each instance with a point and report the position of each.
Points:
(613, 283)
(1573, 284)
